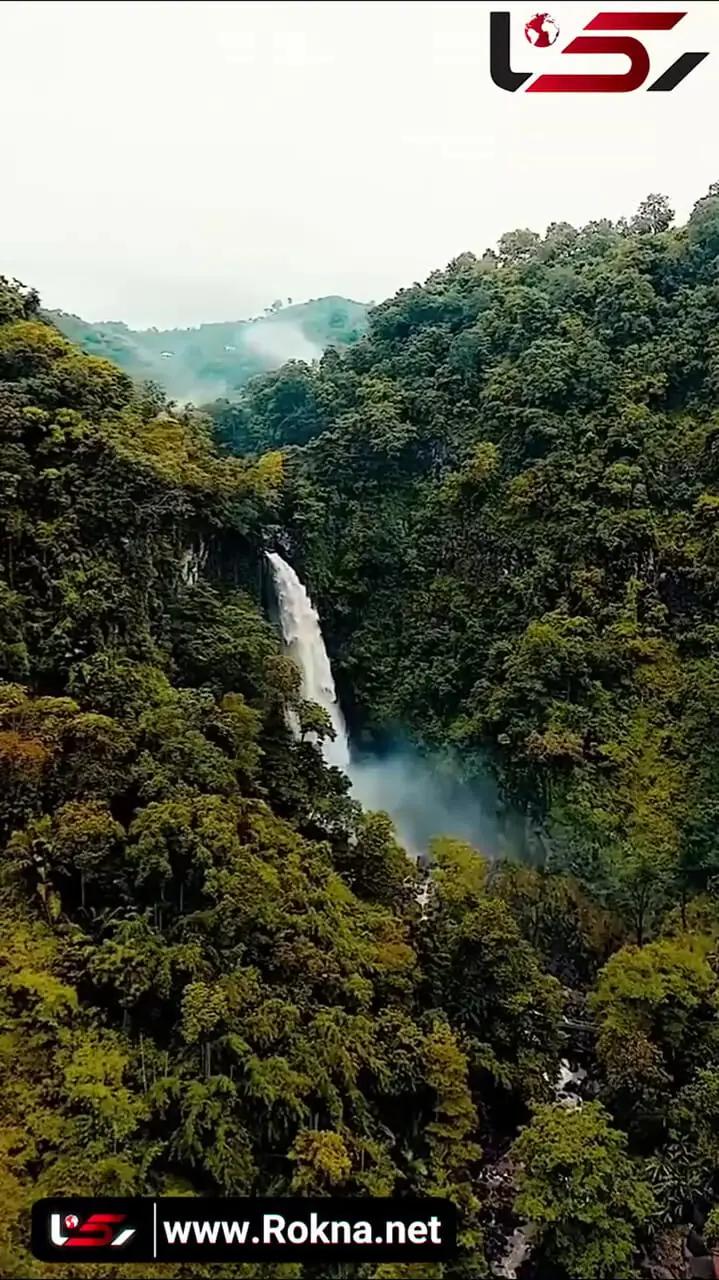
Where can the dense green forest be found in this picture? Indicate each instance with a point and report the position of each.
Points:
(215, 970)
(214, 360)
(505, 505)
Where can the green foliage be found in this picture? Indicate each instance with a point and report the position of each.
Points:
(216, 971)
(711, 1228)
(487, 977)
(452, 1151)
(503, 501)
(583, 1192)
(208, 974)
(657, 1011)
(572, 933)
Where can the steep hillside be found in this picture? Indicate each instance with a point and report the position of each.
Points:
(216, 972)
(505, 502)
(210, 967)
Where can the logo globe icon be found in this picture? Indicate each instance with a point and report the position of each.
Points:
(72, 1221)
(541, 30)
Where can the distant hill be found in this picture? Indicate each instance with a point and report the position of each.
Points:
(213, 360)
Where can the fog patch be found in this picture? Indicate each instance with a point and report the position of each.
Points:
(427, 795)
(199, 394)
(276, 341)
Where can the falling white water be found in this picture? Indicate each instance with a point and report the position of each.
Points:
(410, 787)
(303, 637)
(193, 561)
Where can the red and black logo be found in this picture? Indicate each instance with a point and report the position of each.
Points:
(97, 1231)
(91, 1230)
(542, 31)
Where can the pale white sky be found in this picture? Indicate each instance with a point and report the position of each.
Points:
(169, 163)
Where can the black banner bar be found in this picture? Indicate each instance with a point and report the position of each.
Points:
(185, 1229)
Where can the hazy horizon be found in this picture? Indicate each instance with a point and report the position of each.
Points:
(257, 315)
(199, 160)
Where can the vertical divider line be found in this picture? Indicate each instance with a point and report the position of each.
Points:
(154, 1230)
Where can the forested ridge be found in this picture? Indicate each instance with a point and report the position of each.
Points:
(505, 501)
(215, 972)
(216, 359)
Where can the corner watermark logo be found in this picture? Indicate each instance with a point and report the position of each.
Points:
(98, 1231)
(610, 33)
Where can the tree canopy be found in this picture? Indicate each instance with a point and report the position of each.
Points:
(218, 973)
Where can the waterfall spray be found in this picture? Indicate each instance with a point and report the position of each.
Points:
(303, 637)
(423, 796)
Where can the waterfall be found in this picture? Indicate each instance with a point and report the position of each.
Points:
(303, 637)
(194, 559)
(422, 798)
